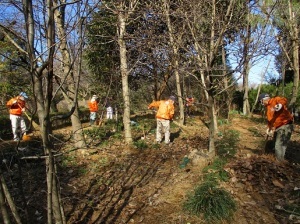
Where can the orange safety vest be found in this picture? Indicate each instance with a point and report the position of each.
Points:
(93, 106)
(278, 118)
(15, 108)
(165, 109)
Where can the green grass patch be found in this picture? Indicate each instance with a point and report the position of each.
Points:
(213, 202)
(223, 122)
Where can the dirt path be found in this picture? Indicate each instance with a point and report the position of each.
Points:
(257, 183)
(261, 185)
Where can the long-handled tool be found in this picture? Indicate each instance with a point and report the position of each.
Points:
(266, 144)
(269, 143)
(34, 124)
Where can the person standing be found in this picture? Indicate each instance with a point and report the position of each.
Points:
(109, 112)
(164, 115)
(16, 107)
(189, 104)
(280, 122)
(93, 107)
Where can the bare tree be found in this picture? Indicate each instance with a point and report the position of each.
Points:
(123, 10)
(38, 46)
(207, 25)
(43, 98)
(175, 56)
(284, 14)
(256, 40)
(70, 85)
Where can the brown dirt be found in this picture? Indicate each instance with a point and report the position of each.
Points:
(117, 184)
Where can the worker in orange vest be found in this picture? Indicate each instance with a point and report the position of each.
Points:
(280, 122)
(93, 107)
(16, 107)
(164, 115)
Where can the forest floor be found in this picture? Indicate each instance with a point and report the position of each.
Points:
(113, 183)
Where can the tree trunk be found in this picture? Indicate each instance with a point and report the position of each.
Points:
(295, 48)
(58, 212)
(43, 100)
(5, 215)
(210, 62)
(246, 66)
(12, 205)
(246, 105)
(175, 62)
(228, 98)
(70, 94)
(124, 75)
(212, 125)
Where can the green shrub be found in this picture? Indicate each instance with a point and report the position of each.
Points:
(140, 144)
(95, 133)
(215, 203)
(222, 121)
(226, 146)
(215, 171)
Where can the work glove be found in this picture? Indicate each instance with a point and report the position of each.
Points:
(278, 107)
(270, 132)
(23, 109)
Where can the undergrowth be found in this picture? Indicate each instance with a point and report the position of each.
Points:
(213, 202)
(215, 171)
(208, 199)
(227, 144)
(140, 144)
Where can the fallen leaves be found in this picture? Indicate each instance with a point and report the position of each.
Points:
(264, 178)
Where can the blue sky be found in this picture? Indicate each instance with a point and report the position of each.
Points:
(260, 67)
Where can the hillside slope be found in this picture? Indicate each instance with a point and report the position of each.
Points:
(114, 183)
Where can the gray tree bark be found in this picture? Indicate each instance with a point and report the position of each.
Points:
(68, 72)
(124, 10)
(175, 60)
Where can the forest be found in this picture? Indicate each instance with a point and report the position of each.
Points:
(126, 54)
